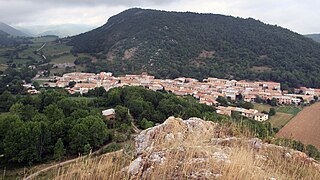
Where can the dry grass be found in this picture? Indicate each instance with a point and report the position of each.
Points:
(108, 166)
(244, 165)
(193, 160)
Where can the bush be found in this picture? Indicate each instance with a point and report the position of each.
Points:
(111, 148)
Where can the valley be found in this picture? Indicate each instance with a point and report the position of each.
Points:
(153, 94)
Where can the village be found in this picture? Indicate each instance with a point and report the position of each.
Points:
(206, 91)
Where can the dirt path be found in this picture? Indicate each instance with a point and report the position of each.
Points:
(305, 126)
(35, 174)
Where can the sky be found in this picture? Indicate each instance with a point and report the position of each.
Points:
(301, 16)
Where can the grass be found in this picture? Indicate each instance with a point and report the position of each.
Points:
(283, 116)
(183, 159)
(280, 119)
(262, 107)
(53, 48)
(289, 110)
(40, 40)
(69, 58)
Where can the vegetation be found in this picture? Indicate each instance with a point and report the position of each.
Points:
(315, 37)
(244, 162)
(171, 44)
(279, 116)
(13, 79)
(53, 124)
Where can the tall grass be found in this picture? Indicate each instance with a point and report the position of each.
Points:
(207, 154)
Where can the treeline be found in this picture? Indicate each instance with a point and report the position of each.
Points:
(49, 125)
(7, 41)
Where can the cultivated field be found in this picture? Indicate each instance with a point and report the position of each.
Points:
(304, 127)
(283, 116)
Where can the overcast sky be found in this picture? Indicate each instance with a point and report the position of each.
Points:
(298, 15)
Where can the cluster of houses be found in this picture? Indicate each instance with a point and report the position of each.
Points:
(249, 113)
(206, 91)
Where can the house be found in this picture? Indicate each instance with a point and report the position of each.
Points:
(109, 113)
(307, 91)
(261, 117)
(249, 98)
(209, 102)
(249, 113)
(33, 91)
(283, 99)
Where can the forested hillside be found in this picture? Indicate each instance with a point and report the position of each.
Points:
(5, 40)
(171, 44)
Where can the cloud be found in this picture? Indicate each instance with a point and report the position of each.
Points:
(297, 15)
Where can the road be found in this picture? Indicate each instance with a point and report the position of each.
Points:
(43, 45)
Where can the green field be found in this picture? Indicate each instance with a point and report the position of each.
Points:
(68, 58)
(40, 40)
(283, 116)
(289, 110)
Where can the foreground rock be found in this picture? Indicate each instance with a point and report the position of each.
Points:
(198, 149)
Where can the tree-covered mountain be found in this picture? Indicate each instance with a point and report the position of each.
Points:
(315, 37)
(12, 31)
(5, 40)
(171, 44)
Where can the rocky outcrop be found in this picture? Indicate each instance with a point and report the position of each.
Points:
(198, 149)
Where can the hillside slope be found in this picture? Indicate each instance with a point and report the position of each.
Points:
(5, 40)
(315, 37)
(194, 149)
(12, 31)
(171, 44)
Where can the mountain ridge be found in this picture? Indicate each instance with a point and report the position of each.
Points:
(315, 37)
(12, 31)
(172, 44)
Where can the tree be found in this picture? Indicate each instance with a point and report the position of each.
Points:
(87, 149)
(59, 150)
(239, 97)
(122, 114)
(273, 102)
(247, 105)
(272, 112)
(236, 115)
(89, 130)
(145, 124)
(223, 101)
(53, 112)
(36, 85)
(258, 99)
(71, 84)
(312, 151)
(6, 101)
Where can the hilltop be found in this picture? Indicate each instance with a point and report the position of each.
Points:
(172, 44)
